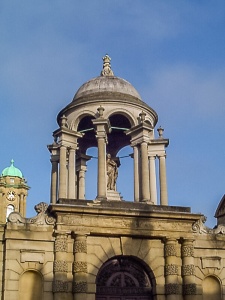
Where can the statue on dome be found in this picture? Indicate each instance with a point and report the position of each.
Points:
(112, 173)
(106, 66)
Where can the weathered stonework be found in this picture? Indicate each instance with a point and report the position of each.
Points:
(60, 286)
(171, 270)
(61, 244)
(80, 247)
(80, 266)
(80, 287)
(188, 270)
(189, 289)
(172, 289)
(60, 266)
(187, 250)
(170, 250)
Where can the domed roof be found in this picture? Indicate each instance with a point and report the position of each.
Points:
(12, 171)
(108, 83)
(106, 88)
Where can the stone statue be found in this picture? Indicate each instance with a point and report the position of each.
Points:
(112, 173)
(106, 66)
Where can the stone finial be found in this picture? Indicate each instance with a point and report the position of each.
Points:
(160, 131)
(64, 121)
(100, 110)
(106, 71)
(142, 116)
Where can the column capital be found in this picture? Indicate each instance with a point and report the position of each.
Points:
(102, 126)
(139, 133)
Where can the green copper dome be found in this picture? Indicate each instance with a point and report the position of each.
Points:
(12, 171)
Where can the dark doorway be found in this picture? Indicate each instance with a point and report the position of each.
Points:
(123, 278)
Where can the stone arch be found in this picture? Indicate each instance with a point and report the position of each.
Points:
(117, 139)
(31, 286)
(125, 113)
(76, 119)
(125, 277)
(85, 126)
(211, 288)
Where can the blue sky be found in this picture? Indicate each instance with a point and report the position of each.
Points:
(173, 52)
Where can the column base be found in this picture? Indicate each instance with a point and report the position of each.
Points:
(113, 196)
(100, 198)
(147, 201)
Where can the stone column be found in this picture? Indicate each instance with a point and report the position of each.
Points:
(102, 127)
(62, 172)
(60, 267)
(172, 288)
(81, 180)
(152, 175)
(163, 182)
(71, 173)
(101, 168)
(136, 174)
(145, 192)
(21, 205)
(54, 179)
(80, 267)
(188, 269)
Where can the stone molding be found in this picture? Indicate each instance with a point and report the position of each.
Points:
(189, 289)
(188, 270)
(80, 266)
(60, 266)
(171, 269)
(79, 222)
(60, 286)
(80, 287)
(211, 262)
(32, 256)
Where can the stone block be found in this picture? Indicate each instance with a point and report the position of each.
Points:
(12, 285)
(47, 268)
(115, 242)
(14, 265)
(93, 262)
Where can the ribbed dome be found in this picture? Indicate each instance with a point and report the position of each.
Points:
(12, 171)
(111, 84)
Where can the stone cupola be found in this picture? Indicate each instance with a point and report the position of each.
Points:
(108, 113)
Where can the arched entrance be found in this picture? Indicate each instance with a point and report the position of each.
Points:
(123, 278)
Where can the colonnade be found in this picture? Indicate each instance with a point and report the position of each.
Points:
(68, 169)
